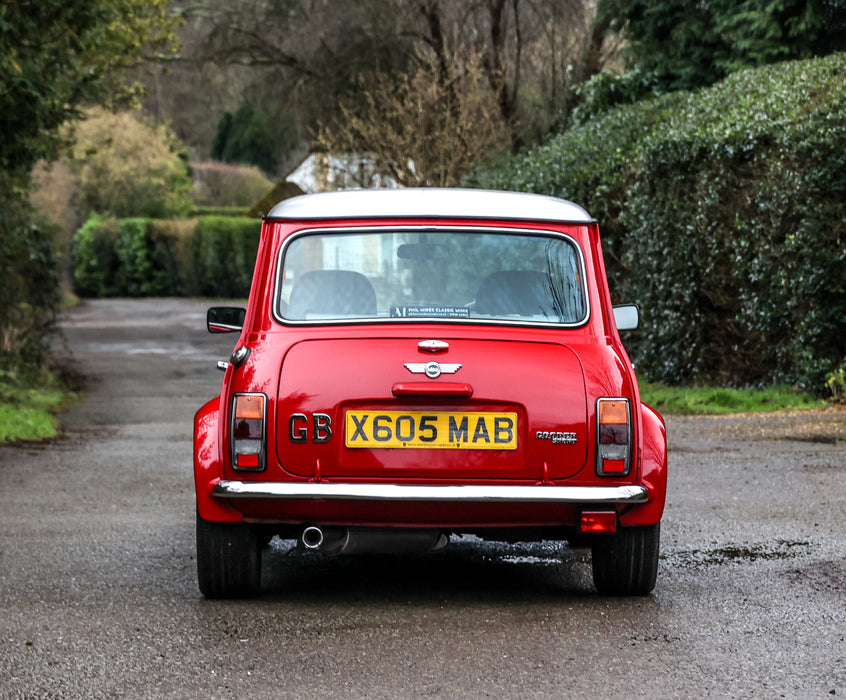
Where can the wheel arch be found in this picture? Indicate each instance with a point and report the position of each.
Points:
(208, 465)
(653, 469)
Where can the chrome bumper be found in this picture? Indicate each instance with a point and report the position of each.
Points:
(412, 492)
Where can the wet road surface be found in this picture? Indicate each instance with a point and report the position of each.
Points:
(98, 594)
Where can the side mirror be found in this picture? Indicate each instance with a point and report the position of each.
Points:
(627, 317)
(225, 319)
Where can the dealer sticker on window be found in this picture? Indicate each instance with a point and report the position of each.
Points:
(432, 311)
(434, 430)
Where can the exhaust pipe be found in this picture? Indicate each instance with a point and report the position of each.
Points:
(312, 537)
(369, 540)
(330, 540)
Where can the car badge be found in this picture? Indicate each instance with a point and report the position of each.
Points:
(557, 437)
(433, 370)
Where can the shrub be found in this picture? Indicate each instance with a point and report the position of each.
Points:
(212, 256)
(724, 217)
(736, 223)
(171, 241)
(592, 164)
(126, 165)
(146, 260)
(212, 210)
(836, 383)
(95, 258)
(30, 284)
(223, 253)
(225, 185)
(605, 90)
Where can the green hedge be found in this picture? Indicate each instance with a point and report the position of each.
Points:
(208, 210)
(223, 254)
(208, 256)
(723, 217)
(591, 165)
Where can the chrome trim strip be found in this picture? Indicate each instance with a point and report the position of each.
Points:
(416, 492)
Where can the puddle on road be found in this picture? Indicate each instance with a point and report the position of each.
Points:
(816, 439)
(140, 349)
(541, 561)
(733, 554)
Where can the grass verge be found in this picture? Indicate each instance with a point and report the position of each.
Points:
(719, 401)
(29, 413)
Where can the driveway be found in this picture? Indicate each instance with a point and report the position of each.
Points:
(98, 593)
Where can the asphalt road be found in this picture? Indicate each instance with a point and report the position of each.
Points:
(98, 593)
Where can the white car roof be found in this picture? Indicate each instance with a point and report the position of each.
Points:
(428, 203)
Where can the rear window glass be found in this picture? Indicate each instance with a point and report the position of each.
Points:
(412, 275)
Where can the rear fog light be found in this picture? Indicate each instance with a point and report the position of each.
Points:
(598, 522)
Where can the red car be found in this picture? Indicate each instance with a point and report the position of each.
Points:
(414, 364)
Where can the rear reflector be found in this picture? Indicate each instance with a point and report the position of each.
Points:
(248, 461)
(598, 522)
(614, 466)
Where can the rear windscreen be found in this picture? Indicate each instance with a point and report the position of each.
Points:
(412, 275)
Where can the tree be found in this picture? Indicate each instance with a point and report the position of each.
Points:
(531, 54)
(314, 54)
(140, 173)
(765, 32)
(478, 76)
(55, 57)
(58, 55)
(247, 136)
(418, 130)
(686, 44)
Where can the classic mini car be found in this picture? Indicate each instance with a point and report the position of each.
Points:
(421, 363)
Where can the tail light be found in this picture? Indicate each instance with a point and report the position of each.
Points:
(614, 437)
(249, 431)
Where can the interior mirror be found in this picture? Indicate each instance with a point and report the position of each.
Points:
(627, 317)
(422, 252)
(225, 319)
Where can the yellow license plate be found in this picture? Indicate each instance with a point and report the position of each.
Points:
(432, 430)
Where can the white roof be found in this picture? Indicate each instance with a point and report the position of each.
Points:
(429, 203)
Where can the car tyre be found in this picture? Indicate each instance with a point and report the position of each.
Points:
(626, 563)
(228, 559)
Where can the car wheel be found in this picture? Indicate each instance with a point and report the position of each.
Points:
(228, 559)
(626, 563)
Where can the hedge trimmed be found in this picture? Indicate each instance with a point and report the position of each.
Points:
(209, 256)
(591, 165)
(223, 254)
(724, 217)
